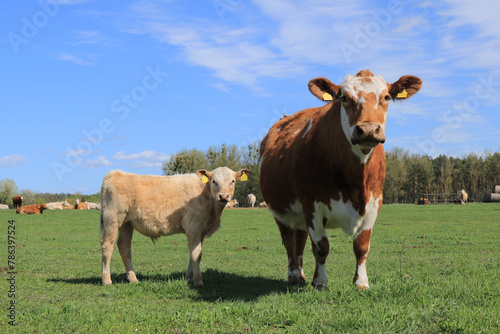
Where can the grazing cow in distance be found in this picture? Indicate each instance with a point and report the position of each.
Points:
(251, 200)
(162, 205)
(4, 207)
(463, 197)
(35, 209)
(324, 168)
(262, 205)
(17, 201)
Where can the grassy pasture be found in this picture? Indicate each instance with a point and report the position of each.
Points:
(445, 279)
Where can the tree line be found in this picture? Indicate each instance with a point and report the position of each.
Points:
(408, 175)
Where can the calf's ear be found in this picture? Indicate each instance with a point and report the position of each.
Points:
(405, 87)
(324, 89)
(239, 173)
(203, 172)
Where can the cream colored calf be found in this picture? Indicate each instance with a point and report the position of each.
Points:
(162, 205)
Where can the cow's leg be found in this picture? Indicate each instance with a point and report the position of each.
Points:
(321, 249)
(193, 273)
(294, 242)
(361, 246)
(124, 246)
(108, 240)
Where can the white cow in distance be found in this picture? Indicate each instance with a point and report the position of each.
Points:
(162, 205)
(251, 200)
(4, 207)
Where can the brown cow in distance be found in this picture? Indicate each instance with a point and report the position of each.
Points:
(324, 168)
(17, 201)
(35, 209)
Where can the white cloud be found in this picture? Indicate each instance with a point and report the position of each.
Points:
(99, 162)
(74, 59)
(77, 153)
(12, 160)
(144, 159)
(144, 155)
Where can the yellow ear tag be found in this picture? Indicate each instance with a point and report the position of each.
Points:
(204, 179)
(402, 95)
(244, 177)
(327, 97)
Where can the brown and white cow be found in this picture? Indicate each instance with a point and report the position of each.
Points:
(324, 168)
(81, 205)
(35, 209)
(162, 205)
(17, 201)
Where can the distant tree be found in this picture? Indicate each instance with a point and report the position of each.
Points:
(8, 190)
(231, 156)
(29, 196)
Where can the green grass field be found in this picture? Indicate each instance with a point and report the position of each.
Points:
(444, 280)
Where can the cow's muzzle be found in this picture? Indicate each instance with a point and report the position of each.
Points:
(368, 135)
(223, 198)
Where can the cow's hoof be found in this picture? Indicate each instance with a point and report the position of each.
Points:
(296, 280)
(319, 286)
(198, 284)
(362, 287)
(106, 282)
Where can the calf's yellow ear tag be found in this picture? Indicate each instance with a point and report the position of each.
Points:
(244, 177)
(204, 179)
(402, 95)
(327, 97)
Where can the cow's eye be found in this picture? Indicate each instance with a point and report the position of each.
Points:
(343, 98)
(387, 97)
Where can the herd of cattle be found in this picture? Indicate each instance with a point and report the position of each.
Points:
(38, 209)
(320, 168)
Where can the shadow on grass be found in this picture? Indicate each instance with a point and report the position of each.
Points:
(218, 285)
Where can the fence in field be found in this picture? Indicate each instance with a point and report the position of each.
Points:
(439, 198)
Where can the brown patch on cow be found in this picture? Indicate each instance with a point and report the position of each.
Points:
(361, 246)
(364, 74)
(321, 250)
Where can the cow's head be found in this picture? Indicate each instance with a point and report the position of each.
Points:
(221, 182)
(43, 207)
(364, 99)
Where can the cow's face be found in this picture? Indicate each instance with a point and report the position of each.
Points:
(43, 207)
(364, 99)
(221, 182)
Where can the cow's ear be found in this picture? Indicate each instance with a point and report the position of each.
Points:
(405, 87)
(239, 173)
(323, 89)
(204, 173)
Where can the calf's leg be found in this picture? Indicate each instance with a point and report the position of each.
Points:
(108, 240)
(124, 246)
(193, 273)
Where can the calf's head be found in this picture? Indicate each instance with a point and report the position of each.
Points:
(221, 182)
(364, 99)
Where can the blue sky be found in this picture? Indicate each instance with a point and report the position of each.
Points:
(89, 86)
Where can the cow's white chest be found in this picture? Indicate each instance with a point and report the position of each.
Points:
(339, 214)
